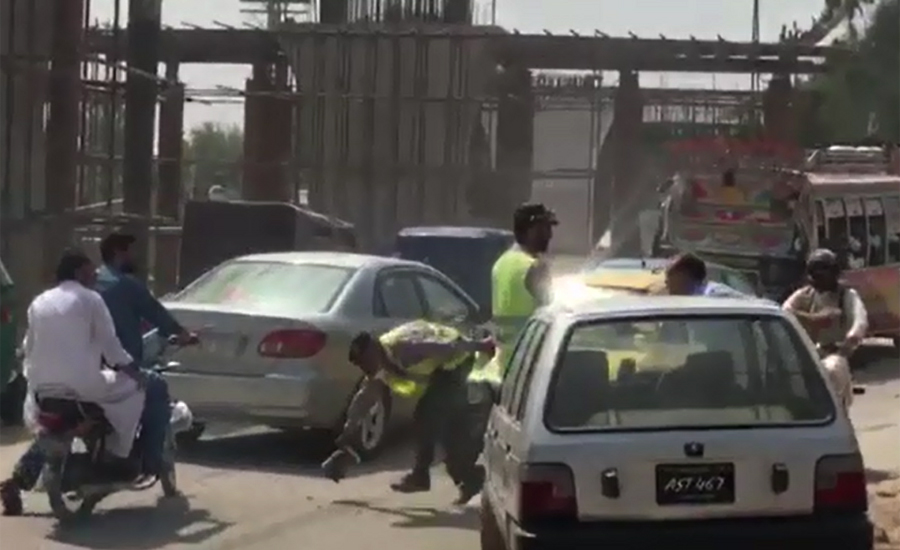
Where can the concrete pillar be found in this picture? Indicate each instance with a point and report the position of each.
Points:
(267, 135)
(252, 114)
(62, 127)
(170, 192)
(515, 147)
(629, 110)
(779, 118)
(333, 11)
(140, 115)
(603, 191)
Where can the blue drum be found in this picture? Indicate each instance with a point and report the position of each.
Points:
(465, 254)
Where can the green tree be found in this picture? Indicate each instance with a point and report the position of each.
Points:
(213, 154)
(848, 9)
(860, 95)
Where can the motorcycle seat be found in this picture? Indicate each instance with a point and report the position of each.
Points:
(60, 413)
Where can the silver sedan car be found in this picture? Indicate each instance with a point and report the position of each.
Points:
(275, 331)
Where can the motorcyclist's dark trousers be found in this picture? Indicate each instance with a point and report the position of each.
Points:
(441, 416)
(154, 423)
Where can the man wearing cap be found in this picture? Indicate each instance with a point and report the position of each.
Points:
(520, 277)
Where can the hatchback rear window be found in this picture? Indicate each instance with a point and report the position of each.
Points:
(268, 287)
(686, 373)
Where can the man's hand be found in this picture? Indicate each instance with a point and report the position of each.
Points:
(850, 343)
(487, 346)
(135, 374)
(185, 338)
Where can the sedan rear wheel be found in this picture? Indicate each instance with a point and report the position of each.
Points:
(374, 429)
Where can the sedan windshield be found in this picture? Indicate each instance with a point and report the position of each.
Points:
(686, 372)
(269, 287)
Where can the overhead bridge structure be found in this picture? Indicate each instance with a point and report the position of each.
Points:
(384, 123)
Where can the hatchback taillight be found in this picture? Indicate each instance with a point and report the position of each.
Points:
(5, 315)
(292, 343)
(841, 484)
(547, 492)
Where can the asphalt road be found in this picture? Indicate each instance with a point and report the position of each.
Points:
(262, 491)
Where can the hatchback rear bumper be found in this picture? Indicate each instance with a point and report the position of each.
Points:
(847, 533)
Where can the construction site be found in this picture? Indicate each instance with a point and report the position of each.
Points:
(383, 113)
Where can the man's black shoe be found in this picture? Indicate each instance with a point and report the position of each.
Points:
(413, 483)
(11, 497)
(470, 488)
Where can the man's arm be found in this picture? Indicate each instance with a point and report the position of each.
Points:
(28, 340)
(793, 304)
(151, 310)
(537, 281)
(105, 332)
(410, 353)
(857, 315)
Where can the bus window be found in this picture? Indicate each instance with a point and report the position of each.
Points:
(858, 241)
(821, 226)
(892, 220)
(877, 231)
(836, 221)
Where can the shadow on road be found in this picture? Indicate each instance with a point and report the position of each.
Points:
(876, 365)
(172, 522)
(421, 517)
(874, 476)
(281, 453)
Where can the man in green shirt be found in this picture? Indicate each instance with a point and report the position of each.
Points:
(520, 278)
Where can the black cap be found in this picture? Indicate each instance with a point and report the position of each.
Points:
(531, 213)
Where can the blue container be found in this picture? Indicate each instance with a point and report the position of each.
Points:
(465, 254)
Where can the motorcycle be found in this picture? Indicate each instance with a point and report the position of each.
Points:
(72, 435)
(833, 355)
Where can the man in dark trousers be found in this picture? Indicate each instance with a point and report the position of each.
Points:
(429, 362)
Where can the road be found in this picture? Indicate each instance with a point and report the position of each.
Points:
(255, 490)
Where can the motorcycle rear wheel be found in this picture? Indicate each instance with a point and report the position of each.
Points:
(62, 507)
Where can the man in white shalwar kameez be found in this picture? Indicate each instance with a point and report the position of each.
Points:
(70, 333)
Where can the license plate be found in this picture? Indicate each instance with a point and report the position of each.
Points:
(217, 342)
(694, 484)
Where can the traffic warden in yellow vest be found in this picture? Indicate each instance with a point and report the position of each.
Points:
(520, 283)
(430, 362)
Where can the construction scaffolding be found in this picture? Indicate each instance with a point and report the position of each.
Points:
(388, 113)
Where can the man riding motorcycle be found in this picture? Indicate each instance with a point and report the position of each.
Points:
(129, 302)
(70, 334)
(833, 315)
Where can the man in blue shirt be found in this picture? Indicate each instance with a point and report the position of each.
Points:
(686, 276)
(130, 303)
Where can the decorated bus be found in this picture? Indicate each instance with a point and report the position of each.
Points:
(761, 208)
(743, 204)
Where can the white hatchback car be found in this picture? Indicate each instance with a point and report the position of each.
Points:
(690, 422)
